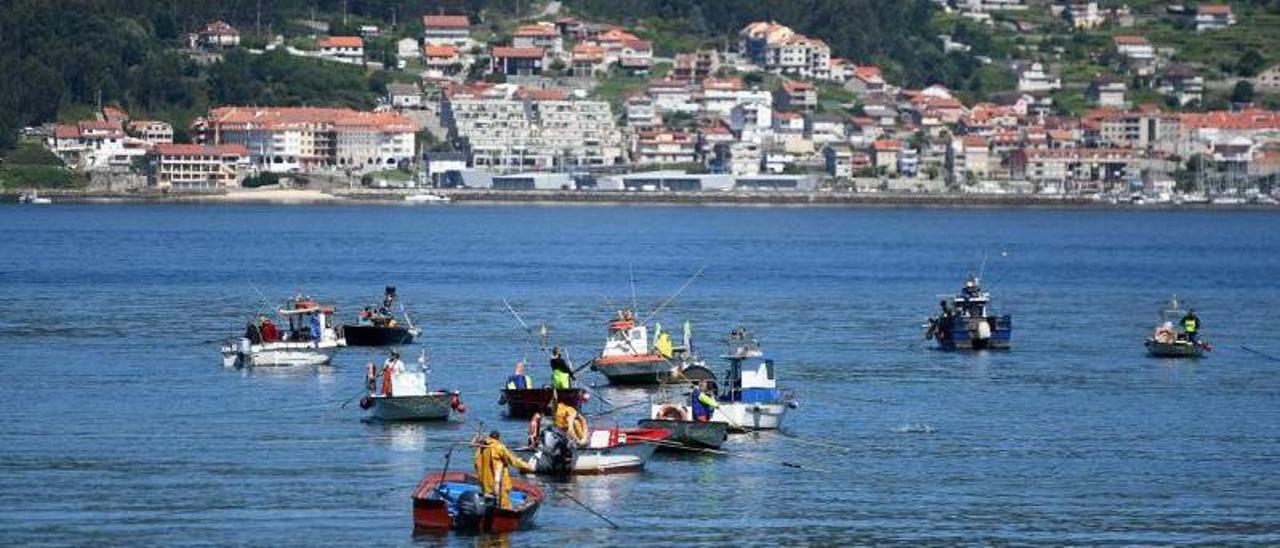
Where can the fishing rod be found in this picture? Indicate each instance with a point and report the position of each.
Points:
(1260, 353)
(710, 451)
(664, 304)
(618, 408)
(584, 506)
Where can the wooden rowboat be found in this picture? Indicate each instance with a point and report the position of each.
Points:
(452, 500)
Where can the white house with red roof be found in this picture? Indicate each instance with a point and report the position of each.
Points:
(342, 48)
(446, 30)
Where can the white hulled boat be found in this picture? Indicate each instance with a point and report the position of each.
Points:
(308, 339)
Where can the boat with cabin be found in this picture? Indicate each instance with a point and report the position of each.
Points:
(1169, 340)
(628, 359)
(967, 323)
(404, 396)
(308, 338)
(605, 451)
(377, 325)
(749, 398)
(446, 501)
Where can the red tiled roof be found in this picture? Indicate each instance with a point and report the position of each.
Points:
(724, 84)
(887, 145)
(549, 94)
(440, 51)
(175, 149)
(1252, 119)
(1214, 9)
(308, 117)
(615, 35)
(342, 42)
(536, 30)
(518, 53)
(446, 21)
(1130, 40)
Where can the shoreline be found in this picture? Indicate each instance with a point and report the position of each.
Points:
(615, 198)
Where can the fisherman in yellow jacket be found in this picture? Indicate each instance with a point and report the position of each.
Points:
(568, 419)
(493, 464)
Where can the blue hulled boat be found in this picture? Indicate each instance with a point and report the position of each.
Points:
(967, 323)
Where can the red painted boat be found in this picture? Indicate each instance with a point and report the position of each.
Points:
(452, 500)
(523, 403)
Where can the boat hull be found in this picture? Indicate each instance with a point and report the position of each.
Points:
(749, 416)
(433, 406)
(1179, 349)
(690, 434)
(624, 456)
(279, 354)
(369, 335)
(640, 370)
(435, 507)
(524, 403)
(964, 337)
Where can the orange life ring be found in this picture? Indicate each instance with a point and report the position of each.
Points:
(671, 413)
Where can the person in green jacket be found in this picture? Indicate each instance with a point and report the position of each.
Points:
(1191, 325)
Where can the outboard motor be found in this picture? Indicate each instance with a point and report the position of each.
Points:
(471, 509)
(556, 449)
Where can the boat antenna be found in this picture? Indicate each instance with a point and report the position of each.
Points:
(982, 268)
(673, 297)
(631, 271)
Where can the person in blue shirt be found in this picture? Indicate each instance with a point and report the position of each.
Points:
(703, 402)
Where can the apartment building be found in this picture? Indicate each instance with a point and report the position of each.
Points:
(309, 139)
(440, 30)
(506, 131)
(182, 167)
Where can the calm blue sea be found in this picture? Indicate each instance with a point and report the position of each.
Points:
(121, 427)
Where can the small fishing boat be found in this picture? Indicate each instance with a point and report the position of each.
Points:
(1169, 341)
(308, 339)
(33, 198)
(607, 451)
(404, 395)
(750, 398)
(628, 359)
(426, 198)
(670, 410)
(524, 402)
(968, 324)
(453, 500)
(377, 325)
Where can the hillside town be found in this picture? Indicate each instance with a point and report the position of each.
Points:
(567, 104)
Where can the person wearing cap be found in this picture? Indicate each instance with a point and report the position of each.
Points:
(561, 373)
(493, 462)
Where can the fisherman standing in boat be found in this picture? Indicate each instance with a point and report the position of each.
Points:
(971, 289)
(493, 462)
(1191, 325)
(561, 374)
(519, 381)
(703, 403)
(392, 367)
